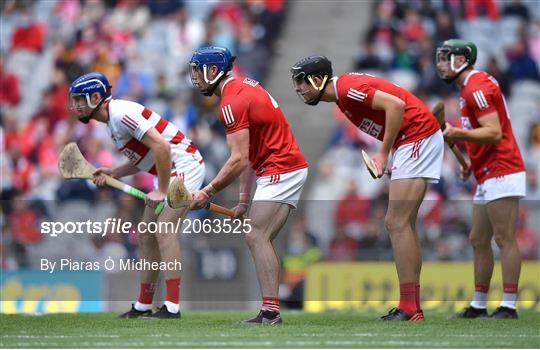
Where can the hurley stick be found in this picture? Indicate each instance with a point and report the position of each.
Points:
(73, 165)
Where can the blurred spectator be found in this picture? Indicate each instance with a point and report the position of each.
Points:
(23, 171)
(163, 8)
(521, 65)
(412, 28)
(368, 58)
(403, 57)
(429, 80)
(342, 247)
(532, 159)
(23, 223)
(7, 258)
(352, 211)
(28, 35)
(534, 39)
(497, 73)
(445, 27)
(9, 86)
(527, 238)
(134, 84)
(103, 248)
(301, 251)
(271, 14)
(516, 8)
(480, 8)
(130, 16)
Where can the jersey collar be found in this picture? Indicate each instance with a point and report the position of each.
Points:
(108, 108)
(471, 73)
(334, 81)
(225, 83)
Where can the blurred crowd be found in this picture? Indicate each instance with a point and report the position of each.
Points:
(143, 46)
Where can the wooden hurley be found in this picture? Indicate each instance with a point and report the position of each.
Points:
(438, 112)
(73, 165)
(370, 165)
(178, 196)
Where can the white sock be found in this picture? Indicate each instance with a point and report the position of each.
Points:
(142, 307)
(479, 300)
(172, 307)
(509, 300)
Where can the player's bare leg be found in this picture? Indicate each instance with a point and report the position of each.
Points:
(480, 238)
(267, 219)
(148, 251)
(169, 248)
(163, 246)
(405, 198)
(503, 217)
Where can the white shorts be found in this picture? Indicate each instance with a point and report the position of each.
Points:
(511, 185)
(420, 159)
(285, 188)
(193, 176)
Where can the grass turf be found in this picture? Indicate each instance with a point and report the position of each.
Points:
(300, 330)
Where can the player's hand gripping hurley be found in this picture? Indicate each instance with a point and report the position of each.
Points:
(178, 196)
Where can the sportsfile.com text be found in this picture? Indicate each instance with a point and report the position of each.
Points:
(119, 226)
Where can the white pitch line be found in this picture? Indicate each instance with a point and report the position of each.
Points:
(26, 336)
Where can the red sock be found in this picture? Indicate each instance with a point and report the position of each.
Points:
(146, 293)
(173, 290)
(417, 300)
(407, 298)
(482, 288)
(510, 288)
(270, 304)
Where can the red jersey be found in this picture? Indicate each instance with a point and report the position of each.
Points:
(481, 95)
(272, 147)
(355, 93)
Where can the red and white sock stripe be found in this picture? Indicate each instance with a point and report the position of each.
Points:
(270, 304)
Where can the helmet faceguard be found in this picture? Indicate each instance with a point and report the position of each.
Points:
(456, 47)
(85, 86)
(308, 68)
(202, 61)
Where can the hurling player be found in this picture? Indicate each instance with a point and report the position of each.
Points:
(499, 170)
(409, 131)
(261, 143)
(154, 145)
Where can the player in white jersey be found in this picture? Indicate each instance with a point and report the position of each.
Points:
(154, 145)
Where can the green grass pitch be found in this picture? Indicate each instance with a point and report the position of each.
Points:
(300, 330)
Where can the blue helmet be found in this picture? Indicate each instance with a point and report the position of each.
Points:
(208, 56)
(85, 86)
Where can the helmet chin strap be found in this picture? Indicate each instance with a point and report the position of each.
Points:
(319, 88)
(208, 81)
(213, 83)
(457, 70)
(95, 108)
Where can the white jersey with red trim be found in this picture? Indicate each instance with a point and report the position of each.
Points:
(129, 121)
